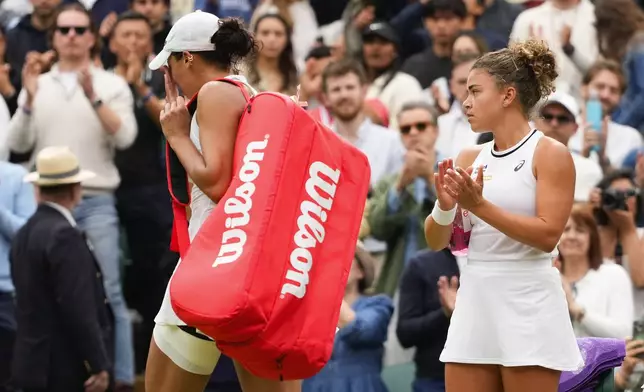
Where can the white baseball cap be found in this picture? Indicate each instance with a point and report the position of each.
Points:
(566, 100)
(191, 33)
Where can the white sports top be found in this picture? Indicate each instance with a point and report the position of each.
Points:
(201, 205)
(509, 183)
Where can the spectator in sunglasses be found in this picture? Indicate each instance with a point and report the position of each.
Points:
(399, 206)
(91, 111)
(557, 119)
(401, 202)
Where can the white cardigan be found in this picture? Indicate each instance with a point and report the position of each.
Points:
(606, 295)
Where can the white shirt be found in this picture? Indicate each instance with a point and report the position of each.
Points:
(73, 122)
(620, 140)
(454, 132)
(546, 22)
(88, 3)
(588, 174)
(606, 295)
(401, 89)
(383, 148)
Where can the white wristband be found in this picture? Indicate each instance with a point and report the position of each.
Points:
(442, 217)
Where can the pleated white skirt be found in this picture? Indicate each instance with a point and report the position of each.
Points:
(512, 313)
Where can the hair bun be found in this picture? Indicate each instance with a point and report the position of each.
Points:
(232, 39)
(537, 56)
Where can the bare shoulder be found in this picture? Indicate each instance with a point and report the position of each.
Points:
(222, 94)
(553, 157)
(468, 155)
(552, 152)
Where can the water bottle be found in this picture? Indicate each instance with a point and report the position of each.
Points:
(594, 114)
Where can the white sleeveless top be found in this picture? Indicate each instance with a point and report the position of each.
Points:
(201, 205)
(509, 183)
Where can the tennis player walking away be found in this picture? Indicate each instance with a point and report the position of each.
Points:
(199, 49)
(510, 330)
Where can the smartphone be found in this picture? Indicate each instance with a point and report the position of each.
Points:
(594, 114)
(638, 333)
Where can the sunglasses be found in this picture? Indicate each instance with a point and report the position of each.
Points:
(421, 127)
(79, 30)
(561, 119)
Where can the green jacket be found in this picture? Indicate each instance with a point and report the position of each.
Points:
(392, 228)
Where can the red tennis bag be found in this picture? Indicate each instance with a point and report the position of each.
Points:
(265, 275)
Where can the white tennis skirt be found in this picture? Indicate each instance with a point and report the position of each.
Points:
(512, 313)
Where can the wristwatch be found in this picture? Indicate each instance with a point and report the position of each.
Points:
(97, 103)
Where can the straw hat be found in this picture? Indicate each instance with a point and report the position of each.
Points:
(57, 166)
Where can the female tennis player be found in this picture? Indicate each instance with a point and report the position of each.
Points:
(510, 330)
(200, 48)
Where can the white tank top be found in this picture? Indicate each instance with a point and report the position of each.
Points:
(509, 183)
(200, 204)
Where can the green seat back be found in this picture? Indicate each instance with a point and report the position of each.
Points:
(398, 378)
(608, 382)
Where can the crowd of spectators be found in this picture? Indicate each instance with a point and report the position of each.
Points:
(389, 76)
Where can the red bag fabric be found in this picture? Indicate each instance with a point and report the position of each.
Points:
(265, 275)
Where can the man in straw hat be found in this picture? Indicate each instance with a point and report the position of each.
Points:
(64, 331)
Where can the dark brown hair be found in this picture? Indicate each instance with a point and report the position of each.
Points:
(285, 63)
(342, 68)
(231, 44)
(529, 66)
(478, 39)
(617, 21)
(96, 49)
(605, 65)
(582, 216)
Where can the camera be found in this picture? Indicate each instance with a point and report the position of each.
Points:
(614, 199)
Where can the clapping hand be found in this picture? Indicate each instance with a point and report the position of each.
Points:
(468, 192)
(107, 25)
(447, 293)
(134, 69)
(6, 88)
(30, 72)
(86, 82)
(98, 382)
(419, 162)
(445, 200)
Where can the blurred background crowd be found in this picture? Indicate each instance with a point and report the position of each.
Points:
(389, 76)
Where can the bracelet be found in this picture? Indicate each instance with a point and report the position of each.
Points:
(442, 217)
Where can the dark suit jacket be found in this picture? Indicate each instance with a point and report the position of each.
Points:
(64, 320)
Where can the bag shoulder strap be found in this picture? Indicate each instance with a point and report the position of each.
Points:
(178, 182)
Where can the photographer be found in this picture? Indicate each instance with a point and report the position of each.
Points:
(615, 208)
